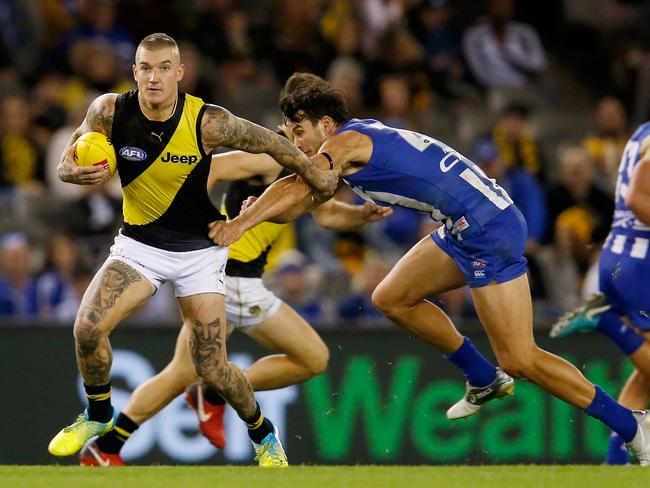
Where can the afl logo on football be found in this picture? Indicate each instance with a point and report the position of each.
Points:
(133, 153)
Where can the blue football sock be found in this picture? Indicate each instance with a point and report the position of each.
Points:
(615, 416)
(478, 371)
(626, 338)
(617, 452)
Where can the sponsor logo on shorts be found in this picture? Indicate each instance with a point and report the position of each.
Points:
(479, 273)
(255, 310)
(121, 254)
(479, 263)
(133, 153)
(183, 159)
(460, 225)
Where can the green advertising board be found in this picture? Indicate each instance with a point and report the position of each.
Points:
(382, 401)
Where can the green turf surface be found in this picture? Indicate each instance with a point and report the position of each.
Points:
(326, 476)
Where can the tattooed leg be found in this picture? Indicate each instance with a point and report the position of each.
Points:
(116, 290)
(207, 345)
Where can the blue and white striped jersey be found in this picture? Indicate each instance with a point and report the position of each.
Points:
(629, 236)
(419, 172)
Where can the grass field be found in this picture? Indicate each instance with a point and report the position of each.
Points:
(327, 476)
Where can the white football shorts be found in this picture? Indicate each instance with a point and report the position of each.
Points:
(248, 302)
(190, 272)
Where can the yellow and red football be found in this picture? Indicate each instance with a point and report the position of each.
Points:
(95, 149)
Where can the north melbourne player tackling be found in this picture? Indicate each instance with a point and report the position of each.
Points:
(480, 242)
(163, 140)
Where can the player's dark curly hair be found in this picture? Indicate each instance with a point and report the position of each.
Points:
(307, 96)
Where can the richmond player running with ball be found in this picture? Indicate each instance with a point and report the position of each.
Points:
(480, 242)
(166, 210)
(299, 353)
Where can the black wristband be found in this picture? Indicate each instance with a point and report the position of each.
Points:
(329, 158)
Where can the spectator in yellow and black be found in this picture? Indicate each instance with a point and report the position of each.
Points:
(606, 144)
(223, 32)
(577, 191)
(95, 68)
(21, 159)
(515, 141)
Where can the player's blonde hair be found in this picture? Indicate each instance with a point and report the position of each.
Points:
(158, 40)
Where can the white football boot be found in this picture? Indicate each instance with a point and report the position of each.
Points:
(476, 397)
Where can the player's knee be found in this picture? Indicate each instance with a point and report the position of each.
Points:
(384, 300)
(214, 373)
(88, 333)
(318, 361)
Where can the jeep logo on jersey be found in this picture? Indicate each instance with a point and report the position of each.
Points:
(133, 153)
(173, 158)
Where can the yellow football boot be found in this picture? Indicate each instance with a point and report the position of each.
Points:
(73, 437)
(270, 452)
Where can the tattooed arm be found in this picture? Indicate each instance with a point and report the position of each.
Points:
(221, 128)
(98, 119)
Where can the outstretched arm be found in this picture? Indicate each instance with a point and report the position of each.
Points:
(99, 118)
(282, 202)
(221, 128)
(341, 216)
(240, 165)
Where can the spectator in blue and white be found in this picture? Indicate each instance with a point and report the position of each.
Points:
(66, 310)
(296, 285)
(503, 53)
(99, 26)
(357, 305)
(522, 187)
(17, 285)
(55, 283)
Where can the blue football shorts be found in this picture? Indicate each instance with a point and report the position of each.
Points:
(625, 279)
(494, 252)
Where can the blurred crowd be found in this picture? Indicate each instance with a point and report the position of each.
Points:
(541, 95)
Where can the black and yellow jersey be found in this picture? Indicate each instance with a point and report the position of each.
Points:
(247, 257)
(164, 173)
